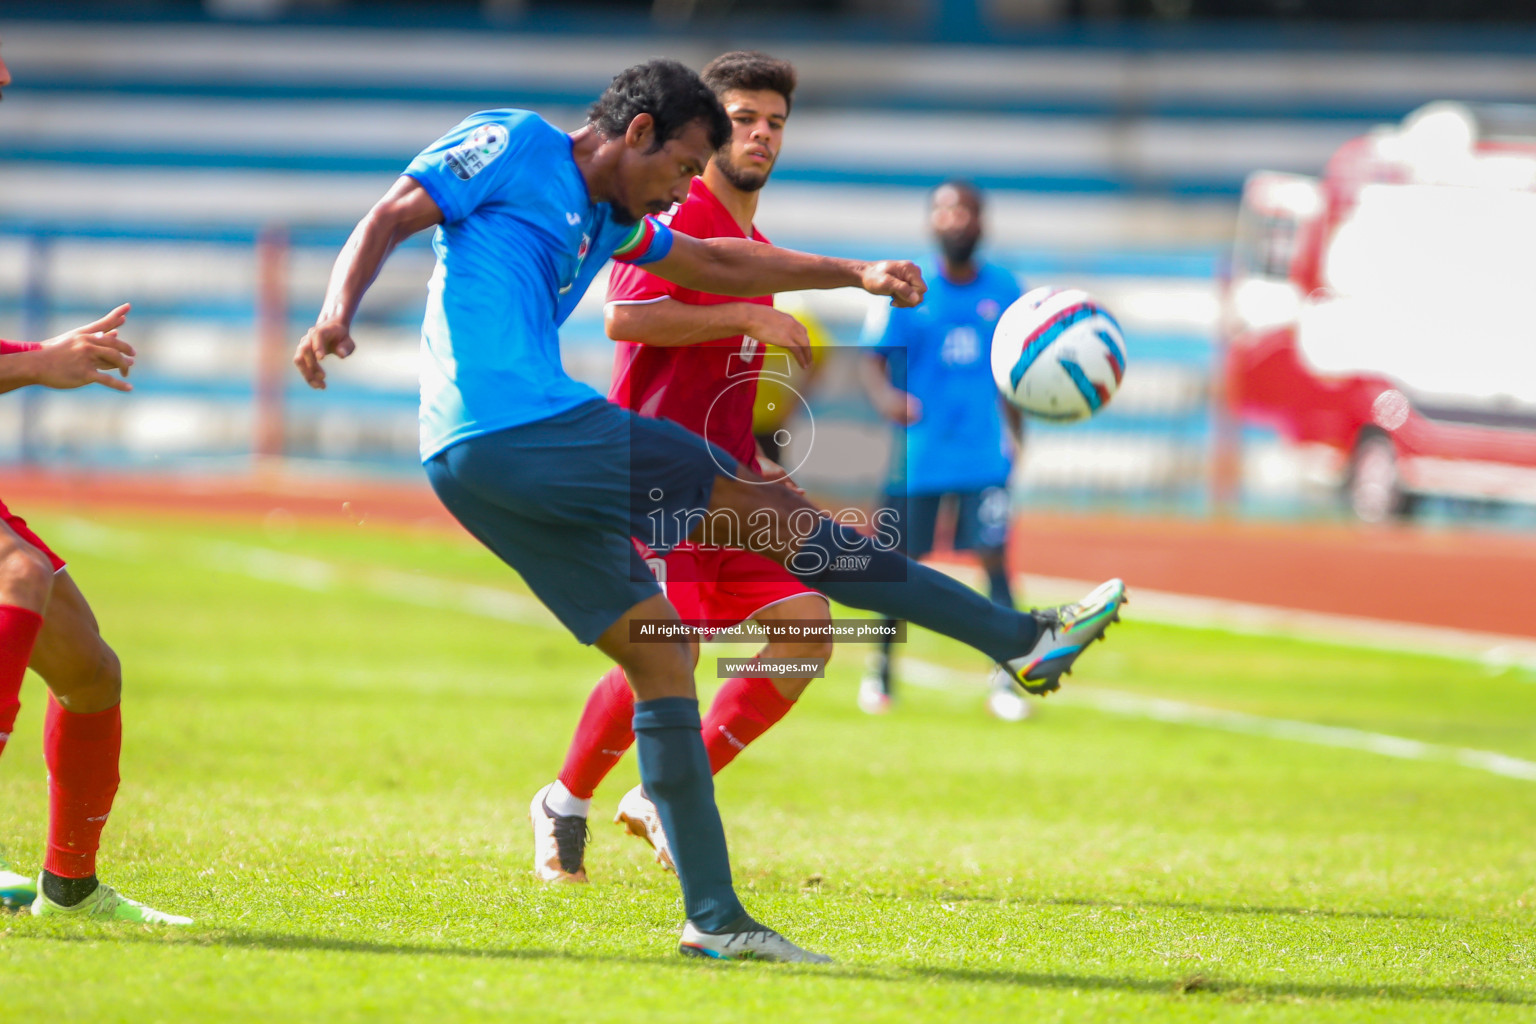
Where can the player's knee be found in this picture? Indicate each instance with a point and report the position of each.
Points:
(109, 677)
(675, 658)
(95, 684)
(661, 669)
(806, 650)
(819, 651)
(26, 576)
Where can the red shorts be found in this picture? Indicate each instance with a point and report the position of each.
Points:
(19, 526)
(722, 586)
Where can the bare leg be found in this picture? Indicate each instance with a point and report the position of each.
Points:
(807, 607)
(26, 575)
(80, 669)
(653, 669)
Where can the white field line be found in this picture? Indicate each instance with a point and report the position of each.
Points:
(272, 566)
(1495, 650)
(1156, 709)
(508, 606)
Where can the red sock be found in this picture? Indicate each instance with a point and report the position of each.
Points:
(743, 710)
(81, 752)
(18, 632)
(605, 732)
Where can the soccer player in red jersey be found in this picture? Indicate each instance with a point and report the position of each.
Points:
(693, 358)
(45, 622)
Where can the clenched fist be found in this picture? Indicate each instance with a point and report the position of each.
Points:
(900, 279)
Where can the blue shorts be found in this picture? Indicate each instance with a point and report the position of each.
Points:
(559, 499)
(981, 519)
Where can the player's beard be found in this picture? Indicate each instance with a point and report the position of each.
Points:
(959, 248)
(742, 179)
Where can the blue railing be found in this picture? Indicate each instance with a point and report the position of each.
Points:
(95, 428)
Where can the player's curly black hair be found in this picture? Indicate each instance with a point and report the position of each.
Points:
(751, 70)
(673, 96)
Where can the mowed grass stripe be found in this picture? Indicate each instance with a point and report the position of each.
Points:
(266, 563)
(333, 782)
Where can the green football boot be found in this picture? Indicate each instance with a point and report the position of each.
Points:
(105, 904)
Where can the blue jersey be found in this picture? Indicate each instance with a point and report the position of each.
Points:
(941, 352)
(520, 242)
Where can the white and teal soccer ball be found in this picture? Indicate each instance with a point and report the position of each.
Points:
(1058, 354)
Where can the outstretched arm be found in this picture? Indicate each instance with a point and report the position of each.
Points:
(668, 322)
(896, 405)
(405, 209)
(736, 266)
(85, 355)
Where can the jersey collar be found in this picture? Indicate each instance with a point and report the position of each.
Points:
(707, 195)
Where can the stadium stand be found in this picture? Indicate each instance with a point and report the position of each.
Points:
(143, 160)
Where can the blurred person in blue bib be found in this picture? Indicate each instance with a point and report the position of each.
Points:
(930, 373)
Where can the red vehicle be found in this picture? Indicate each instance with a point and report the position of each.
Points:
(1381, 320)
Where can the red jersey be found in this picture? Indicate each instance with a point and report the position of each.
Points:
(709, 388)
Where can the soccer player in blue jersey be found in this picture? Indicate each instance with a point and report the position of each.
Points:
(930, 372)
(556, 480)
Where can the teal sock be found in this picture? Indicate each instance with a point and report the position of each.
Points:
(848, 568)
(674, 769)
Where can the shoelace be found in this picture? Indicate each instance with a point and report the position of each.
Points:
(571, 835)
(1051, 619)
(107, 898)
(746, 934)
(1068, 614)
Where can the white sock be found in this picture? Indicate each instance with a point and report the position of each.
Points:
(562, 804)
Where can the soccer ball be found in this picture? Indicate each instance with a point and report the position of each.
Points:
(1058, 354)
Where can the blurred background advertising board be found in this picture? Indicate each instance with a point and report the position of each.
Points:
(1248, 201)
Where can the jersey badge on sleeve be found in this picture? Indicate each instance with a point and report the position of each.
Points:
(475, 153)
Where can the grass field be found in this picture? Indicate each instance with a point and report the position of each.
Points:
(332, 735)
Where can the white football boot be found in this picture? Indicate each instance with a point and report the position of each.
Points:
(1065, 632)
(638, 814)
(745, 940)
(874, 693)
(559, 842)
